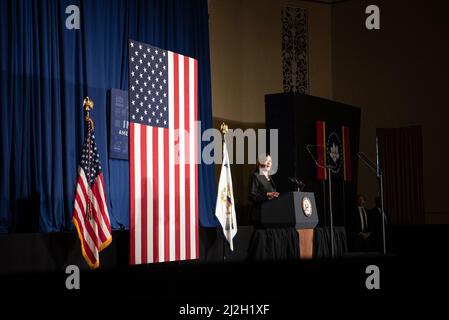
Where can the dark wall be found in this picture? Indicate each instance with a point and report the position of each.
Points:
(295, 117)
(399, 76)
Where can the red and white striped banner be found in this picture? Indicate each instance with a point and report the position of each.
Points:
(163, 158)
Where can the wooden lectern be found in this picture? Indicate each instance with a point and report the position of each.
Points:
(293, 209)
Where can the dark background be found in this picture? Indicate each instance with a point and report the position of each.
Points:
(295, 116)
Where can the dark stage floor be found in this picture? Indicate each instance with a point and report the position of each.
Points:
(415, 267)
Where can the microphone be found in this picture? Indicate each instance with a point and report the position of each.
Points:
(302, 185)
(299, 184)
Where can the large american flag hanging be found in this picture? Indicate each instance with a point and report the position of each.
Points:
(90, 211)
(163, 155)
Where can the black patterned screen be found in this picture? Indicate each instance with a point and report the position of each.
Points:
(295, 50)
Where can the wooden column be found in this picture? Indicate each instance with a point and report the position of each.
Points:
(305, 243)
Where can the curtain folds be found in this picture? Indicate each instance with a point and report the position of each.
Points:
(401, 159)
(47, 70)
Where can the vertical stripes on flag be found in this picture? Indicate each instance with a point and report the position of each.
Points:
(163, 155)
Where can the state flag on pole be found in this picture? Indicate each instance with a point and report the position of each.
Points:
(90, 211)
(225, 209)
(163, 153)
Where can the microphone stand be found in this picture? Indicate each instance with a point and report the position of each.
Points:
(298, 184)
(379, 174)
(329, 172)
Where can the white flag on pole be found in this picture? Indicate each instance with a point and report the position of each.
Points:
(225, 209)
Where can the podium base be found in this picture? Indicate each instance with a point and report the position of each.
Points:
(305, 244)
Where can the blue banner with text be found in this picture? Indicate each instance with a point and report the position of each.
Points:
(118, 147)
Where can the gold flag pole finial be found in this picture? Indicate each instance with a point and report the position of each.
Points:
(88, 105)
(224, 128)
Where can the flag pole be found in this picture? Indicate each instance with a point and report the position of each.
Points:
(88, 105)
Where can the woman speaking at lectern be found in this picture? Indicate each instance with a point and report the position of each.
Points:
(268, 243)
(261, 187)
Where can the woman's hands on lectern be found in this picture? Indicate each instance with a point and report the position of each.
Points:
(272, 195)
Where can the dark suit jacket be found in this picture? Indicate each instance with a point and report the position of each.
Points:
(356, 223)
(376, 218)
(356, 242)
(377, 228)
(258, 188)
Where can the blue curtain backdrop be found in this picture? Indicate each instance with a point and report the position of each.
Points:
(47, 70)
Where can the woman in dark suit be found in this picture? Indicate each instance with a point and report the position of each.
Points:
(268, 243)
(261, 187)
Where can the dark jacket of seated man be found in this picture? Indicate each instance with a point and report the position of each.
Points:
(376, 226)
(360, 229)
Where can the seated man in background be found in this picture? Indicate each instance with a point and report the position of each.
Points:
(360, 226)
(376, 224)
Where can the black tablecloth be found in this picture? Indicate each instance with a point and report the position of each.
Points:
(274, 244)
(322, 242)
(283, 243)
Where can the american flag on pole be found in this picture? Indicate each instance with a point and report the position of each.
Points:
(163, 155)
(90, 211)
